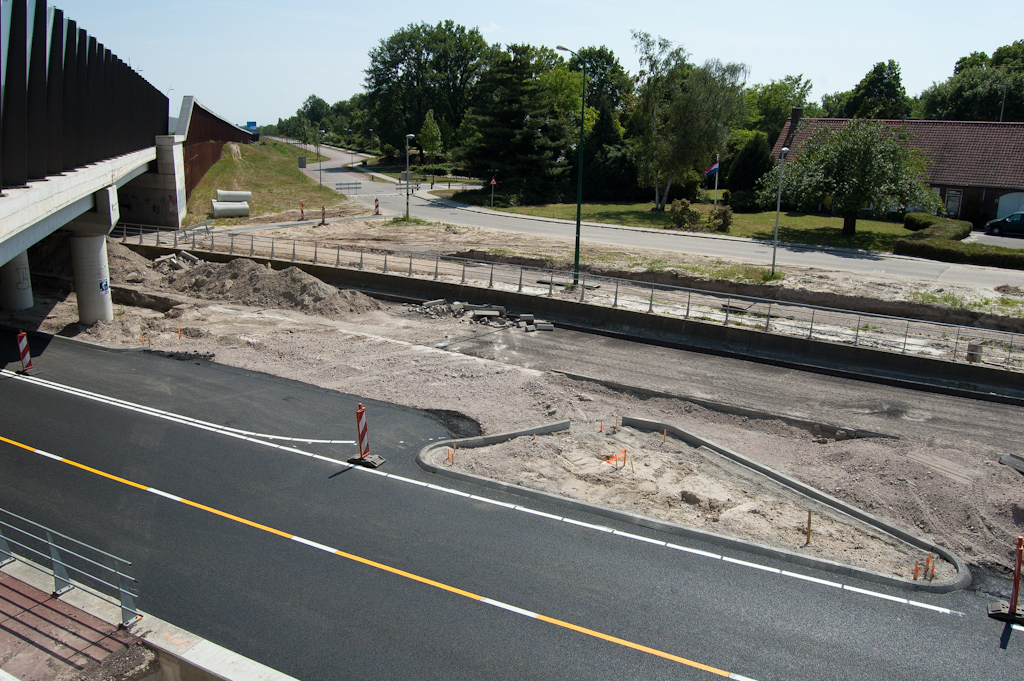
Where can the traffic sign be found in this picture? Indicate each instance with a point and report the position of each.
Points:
(493, 182)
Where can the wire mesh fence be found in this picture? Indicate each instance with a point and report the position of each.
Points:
(878, 332)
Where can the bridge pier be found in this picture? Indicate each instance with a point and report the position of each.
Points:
(89, 257)
(16, 284)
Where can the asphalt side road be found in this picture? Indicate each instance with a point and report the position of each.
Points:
(326, 572)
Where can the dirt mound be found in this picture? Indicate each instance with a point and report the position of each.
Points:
(243, 281)
(128, 267)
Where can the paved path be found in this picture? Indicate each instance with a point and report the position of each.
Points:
(347, 573)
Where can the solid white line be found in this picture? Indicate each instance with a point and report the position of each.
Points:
(751, 565)
(448, 490)
(847, 587)
(737, 677)
(823, 582)
(599, 528)
(409, 480)
(172, 497)
(945, 611)
(638, 537)
(307, 542)
(48, 455)
(540, 513)
(511, 608)
(677, 547)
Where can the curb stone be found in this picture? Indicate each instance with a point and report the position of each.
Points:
(962, 580)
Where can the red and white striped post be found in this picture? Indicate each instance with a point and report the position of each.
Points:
(376, 206)
(364, 438)
(26, 356)
(323, 215)
(302, 210)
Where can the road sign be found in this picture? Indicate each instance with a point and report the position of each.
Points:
(406, 176)
(493, 182)
(302, 161)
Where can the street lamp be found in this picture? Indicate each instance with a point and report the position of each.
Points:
(778, 206)
(348, 143)
(319, 157)
(579, 168)
(408, 137)
(371, 141)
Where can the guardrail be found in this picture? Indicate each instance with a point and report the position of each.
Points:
(66, 555)
(348, 186)
(860, 329)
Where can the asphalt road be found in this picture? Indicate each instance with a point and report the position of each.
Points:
(318, 615)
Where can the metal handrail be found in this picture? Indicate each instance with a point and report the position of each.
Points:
(59, 567)
(862, 329)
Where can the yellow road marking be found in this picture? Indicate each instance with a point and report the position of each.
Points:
(396, 571)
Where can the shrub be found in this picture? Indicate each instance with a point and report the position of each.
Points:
(689, 185)
(943, 228)
(436, 169)
(684, 216)
(948, 250)
(720, 219)
(744, 201)
(915, 222)
(724, 199)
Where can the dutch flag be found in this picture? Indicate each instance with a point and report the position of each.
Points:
(712, 170)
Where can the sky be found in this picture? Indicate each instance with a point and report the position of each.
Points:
(260, 59)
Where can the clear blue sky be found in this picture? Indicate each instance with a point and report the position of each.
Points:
(259, 59)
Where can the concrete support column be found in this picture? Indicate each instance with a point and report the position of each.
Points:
(16, 284)
(92, 278)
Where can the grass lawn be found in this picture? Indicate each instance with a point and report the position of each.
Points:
(269, 170)
(801, 228)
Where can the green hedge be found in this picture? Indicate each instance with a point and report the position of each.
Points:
(915, 222)
(941, 228)
(948, 250)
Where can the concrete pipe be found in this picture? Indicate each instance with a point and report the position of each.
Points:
(224, 195)
(230, 209)
(92, 278)
(16, 284)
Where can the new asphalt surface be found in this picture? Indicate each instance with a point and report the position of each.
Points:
(316, 614)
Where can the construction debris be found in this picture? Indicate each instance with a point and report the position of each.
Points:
(175, 261)
(491, 315)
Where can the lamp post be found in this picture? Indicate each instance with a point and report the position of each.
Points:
(371, 140)
(579, 167)
(778, 206)
(319, 157)
(408, 137)
(348, 143)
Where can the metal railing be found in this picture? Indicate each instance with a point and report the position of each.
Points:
(93, 570)
(860, 329)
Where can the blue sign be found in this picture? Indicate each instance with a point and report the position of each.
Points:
(251, 126)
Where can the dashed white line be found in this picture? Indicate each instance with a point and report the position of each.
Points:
(510, 608)
(847, 587)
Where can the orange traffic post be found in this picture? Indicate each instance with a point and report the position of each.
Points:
(917, 565)
(809, 514)
(23, 352)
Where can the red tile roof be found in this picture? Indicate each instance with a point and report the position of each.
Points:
(962, 153)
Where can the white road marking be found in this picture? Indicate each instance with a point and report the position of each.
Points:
(751, 565)
(307, 542)
(847, 587)
(510, 608)
(164, 494)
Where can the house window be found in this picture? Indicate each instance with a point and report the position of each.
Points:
(953, 198)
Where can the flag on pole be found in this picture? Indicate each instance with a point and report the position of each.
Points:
(712, 170)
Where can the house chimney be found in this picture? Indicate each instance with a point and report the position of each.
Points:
(794, 118)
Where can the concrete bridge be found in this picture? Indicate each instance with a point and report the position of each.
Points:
(86, 143)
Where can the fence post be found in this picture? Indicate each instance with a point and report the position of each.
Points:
(212, 249)
(956, 345)
(856, 337)
(437, 265)
(520, 290)
(252, 245)
(810, 334)
(127, 601)
(410, 265)
(140, 235)
(551, 284)
(385, 262)
(727, 306)
(175, 238)
(193, 239)
(463, 272)
(906, 336)
(615, 303)
(61, 583)
(768, 321)
(5, 551)
(272, 242)
(231, 249)
(337, 257)
(293, 250)
(158, 236)
(689, 294)
(360, 257)
(1009, 351)
(490, 283)
(583, 288)
(650, 307)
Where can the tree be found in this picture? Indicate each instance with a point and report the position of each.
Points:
(422, 67)
(513, 133)
(836, 104)
(769, 106)
(1009, 57)
(972, 61)
(430, 135)
(976, 94)
(880, 94)
(314, 110)
(753, 160)
(858, 164)
(608, 84)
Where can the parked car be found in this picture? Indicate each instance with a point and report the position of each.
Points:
(1011, 224)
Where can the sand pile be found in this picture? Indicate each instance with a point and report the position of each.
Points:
(244, 282)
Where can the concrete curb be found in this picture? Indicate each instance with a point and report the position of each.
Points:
(181, 654)
(730, 408)
(66, 339)
(962, 581)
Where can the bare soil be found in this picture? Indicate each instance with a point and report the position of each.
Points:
(289, 324)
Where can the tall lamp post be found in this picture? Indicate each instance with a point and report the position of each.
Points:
(371, 140)
(348, 143)
(319, 157)
(579, 167)
(778, 206)
(408, 137)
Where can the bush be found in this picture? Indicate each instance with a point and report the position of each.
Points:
(725, 197)
(915, 222)
(689, 185)
(720, 219)
(744, 201)
(436, 169)
(684, 216)
(943, 228)
(947, 250)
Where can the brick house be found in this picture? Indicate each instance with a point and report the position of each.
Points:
(977, 167)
